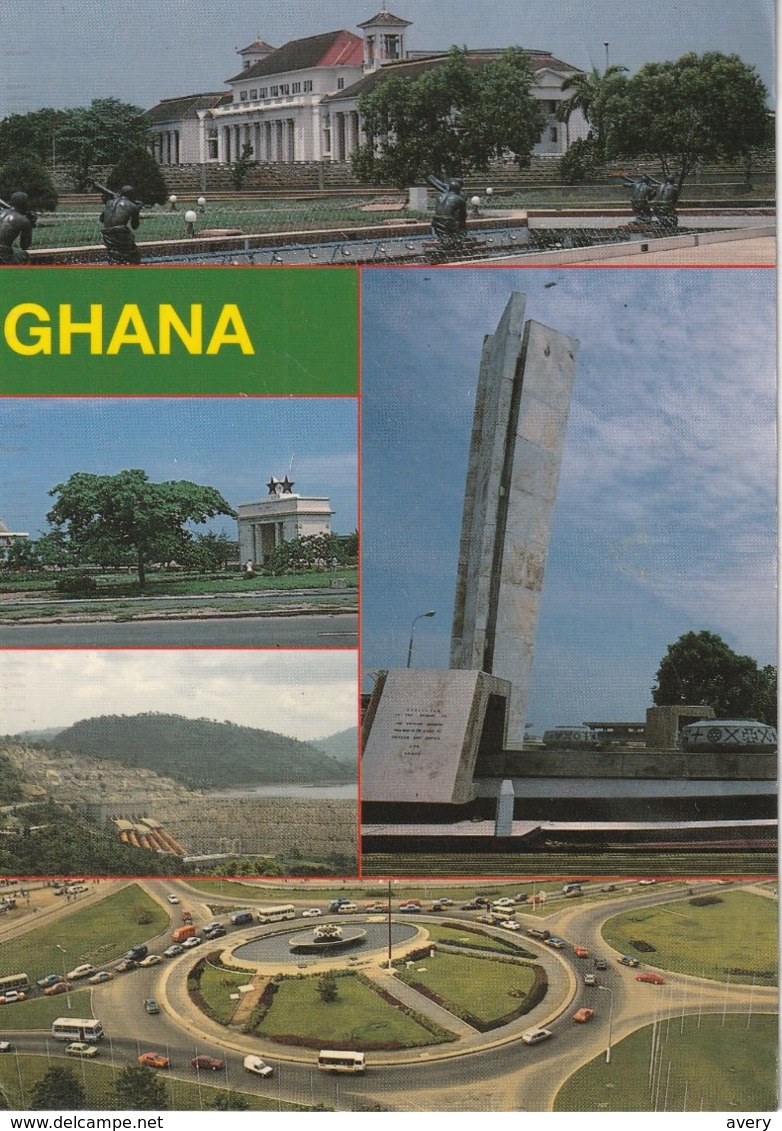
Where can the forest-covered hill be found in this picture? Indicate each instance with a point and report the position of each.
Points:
(202, 753)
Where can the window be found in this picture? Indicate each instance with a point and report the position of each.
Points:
(340, 84)
(285, 88)
(263, 92)
(253, 95)
(275, 92)
(211, 145)
(307, 85)
(296, 88)
(553, 134)
(243, 96)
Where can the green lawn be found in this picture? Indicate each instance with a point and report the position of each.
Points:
(177, 584)
(98, 1080)
(466, 936)
(94, 934)
(714, 1066)
(216, 986)
(478, 987)
(359, 1018)
(735, 939)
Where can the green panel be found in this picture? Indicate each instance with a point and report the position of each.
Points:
(264, 330)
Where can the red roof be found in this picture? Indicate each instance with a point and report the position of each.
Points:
(331, 49)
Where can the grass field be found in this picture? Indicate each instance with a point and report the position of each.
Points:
(464, 936)
(96, 934)
(609, 863)
(19, 1074)
(359, 1018)
(708, 1064)
(735, 939)
(216, 986)
(177, 584)
(478, 987)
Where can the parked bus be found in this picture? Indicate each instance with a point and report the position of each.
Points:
(331, 1061)
(14, 982)
(77, 1029)
(277, 914)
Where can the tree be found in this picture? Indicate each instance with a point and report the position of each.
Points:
(110, 519)
(33, 133)
(137, 167)
(327, 987)
(591, 90)
(699, 108)
(701, 669)
(22, 555)
(59, 1089)
(209, 552)
(99, 134)
(241, 166)
(139, 1088)
(454, 117)
(24, 172)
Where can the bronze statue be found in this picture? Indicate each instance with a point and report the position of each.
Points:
(449, 219)
(16, 222)
(120, 214)
(642, 196)
(665, 202)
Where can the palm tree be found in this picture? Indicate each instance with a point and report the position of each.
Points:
(590, 90)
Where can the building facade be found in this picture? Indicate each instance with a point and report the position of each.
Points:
(298, 102)
(281, 516)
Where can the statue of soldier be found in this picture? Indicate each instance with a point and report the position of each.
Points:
(665, 203)
(642, 196)
(449, 219)
(120, 214)
(16, 222)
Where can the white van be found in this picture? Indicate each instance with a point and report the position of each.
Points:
(258, 1066)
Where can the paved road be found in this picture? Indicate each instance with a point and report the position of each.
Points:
(339, 630)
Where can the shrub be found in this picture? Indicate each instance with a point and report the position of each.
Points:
(80, 584)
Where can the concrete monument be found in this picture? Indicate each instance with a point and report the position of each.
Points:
(282, 516)
(521, 411)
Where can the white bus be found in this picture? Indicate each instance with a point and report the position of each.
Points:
(331, 1061)
(14, 982)
(277, 914)
(77, 1029)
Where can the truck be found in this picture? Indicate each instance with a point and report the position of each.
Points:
(182, 933)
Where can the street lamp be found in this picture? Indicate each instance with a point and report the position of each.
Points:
(431, 613)
(608, 990)
(63, 952)
(606, 44)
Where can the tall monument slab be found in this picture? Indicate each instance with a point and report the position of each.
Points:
(521, 412)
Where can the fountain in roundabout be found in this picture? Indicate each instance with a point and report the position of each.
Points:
(327, 938)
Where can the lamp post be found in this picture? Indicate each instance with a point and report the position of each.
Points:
(608, 990)
(606, 44)
(63, 952)
(431, 613)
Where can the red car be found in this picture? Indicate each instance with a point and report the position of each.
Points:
(153, 1060)
(655, 979)
(581, 952)
(58, 988)
(207, 1063)
(583, 1015)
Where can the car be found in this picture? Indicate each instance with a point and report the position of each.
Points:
(409, 908)
(153, 1060)
(556, 942)
(535, 1036)
(510, 925)
(211, 926)
(126, 965)
(12, 997)
(216, 932)
(581, 952)
(173, 950)
(653, 979)
(49, 980)
(172, 898)
(81, 1048)
(5, 1046)
(207, 1063)
(258, 1066)
(82, 971)
(504, 902)
(315, 912)
(101, 976)
(590, 980)
(151, 960)
(601, 964)
(583, 1015)
(57, 988)
(471, 906)
(538, 933)
(151, 1005)
(646, 883)
(608, 887)
(188, 944)
(628, 960)
(136, 953)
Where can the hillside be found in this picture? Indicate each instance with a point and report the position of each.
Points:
(343, 745)
(201, 753)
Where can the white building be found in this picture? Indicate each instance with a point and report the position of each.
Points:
(281, 516)
(298, 102)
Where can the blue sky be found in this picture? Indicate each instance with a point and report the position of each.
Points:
(66, 52)
(665, 516)
(233, 444)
